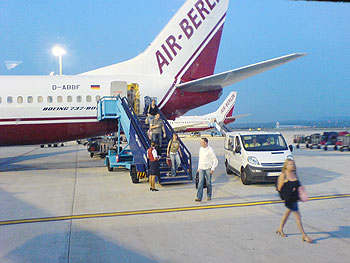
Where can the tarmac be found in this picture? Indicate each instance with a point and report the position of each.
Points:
(60, 205)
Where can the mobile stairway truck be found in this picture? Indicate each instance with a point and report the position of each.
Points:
(133, 156)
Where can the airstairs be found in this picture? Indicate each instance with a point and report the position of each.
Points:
(133, 156)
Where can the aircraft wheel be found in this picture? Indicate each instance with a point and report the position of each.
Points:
(133, 174)
(110, 169)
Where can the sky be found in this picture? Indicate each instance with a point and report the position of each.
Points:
(105, 32)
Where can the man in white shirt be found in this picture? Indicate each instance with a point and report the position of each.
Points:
(206, 165)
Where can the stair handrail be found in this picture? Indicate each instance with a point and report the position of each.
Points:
(132, 115)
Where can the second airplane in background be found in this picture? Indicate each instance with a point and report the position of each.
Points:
(223, 115)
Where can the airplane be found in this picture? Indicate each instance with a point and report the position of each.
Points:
(205, 122)
(177, 68)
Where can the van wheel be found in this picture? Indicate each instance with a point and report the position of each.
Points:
(133, 174)
(244, 178)
(228, 171)
(110, 169)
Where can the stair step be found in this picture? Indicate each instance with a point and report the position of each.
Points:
(177, 179)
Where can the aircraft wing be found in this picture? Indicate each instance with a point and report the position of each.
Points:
(184, 127)
(218, 81)
(237, 116)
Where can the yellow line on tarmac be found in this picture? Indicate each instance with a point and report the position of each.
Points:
(156, 211)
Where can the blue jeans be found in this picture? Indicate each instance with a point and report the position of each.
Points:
(201, 175)
(175, 162)
(157, 138)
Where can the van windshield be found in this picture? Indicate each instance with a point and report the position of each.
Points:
(264, 142)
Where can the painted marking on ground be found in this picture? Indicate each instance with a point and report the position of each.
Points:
(158, 211)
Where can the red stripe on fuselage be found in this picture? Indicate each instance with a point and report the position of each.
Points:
(181, 102)
(54, 132)
(49, 119)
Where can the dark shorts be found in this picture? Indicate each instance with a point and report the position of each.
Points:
(292, 206)
(154, 168)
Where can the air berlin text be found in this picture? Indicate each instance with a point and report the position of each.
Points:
(188, 25)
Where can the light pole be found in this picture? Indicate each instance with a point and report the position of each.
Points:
(59, 52)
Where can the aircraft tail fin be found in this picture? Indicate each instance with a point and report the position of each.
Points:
(186, 49)
(226, 108)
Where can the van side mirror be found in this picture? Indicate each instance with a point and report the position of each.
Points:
(291, 148)
(238, 149)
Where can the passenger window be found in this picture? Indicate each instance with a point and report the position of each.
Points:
(98, 97)
(30, 99)
(40, 99)
(88, 98)
(19, 99)
(9, 99)
(49, 99)
(78, 98)
(69, 99)
(59, 99)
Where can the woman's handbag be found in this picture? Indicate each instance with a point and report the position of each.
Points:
(168, 162)
(302, 194)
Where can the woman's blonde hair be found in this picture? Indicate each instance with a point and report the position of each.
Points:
(286, 162)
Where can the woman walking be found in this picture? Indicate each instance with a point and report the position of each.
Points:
(174, 152)
(288, 185)
(154, 166)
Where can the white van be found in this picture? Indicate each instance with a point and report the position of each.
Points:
(256, 156)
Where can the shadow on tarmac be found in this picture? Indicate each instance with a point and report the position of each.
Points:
(54, 241)
(307, 175)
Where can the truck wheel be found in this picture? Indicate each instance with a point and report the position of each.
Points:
(91, 155)
(335, 148)
(133, 174)
(325, 148)
(307, 145)
(228, 171)
(244, 178)
(318, 147)
(110, 169)
(297, 146)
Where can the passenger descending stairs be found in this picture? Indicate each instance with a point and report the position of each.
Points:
(135, 129)
(184, 173)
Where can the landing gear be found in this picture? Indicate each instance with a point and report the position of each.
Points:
(133, 174)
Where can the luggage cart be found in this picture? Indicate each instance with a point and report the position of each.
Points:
(315, 140)
(345, 142)
(329, 139)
